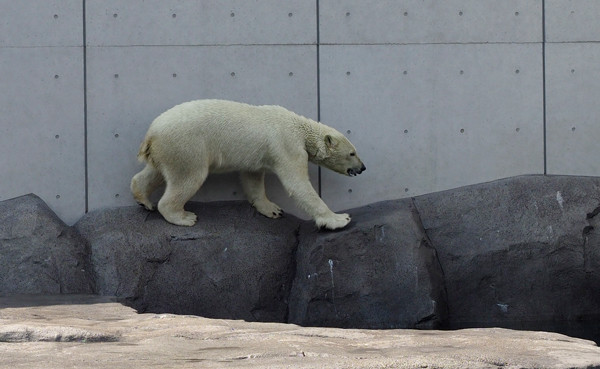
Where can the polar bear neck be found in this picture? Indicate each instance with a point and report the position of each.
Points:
(314, 139)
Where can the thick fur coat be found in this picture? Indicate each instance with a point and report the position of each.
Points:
(189, 141)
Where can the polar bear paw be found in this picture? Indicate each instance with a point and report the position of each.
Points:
(333, 221)
(268, 209)
(184, 218)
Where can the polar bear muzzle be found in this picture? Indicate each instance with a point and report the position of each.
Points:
(352, 172)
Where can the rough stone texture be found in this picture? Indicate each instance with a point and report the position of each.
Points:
(124, 339)
(379, 272)
(518, 250)
(38, 252)
(234, 263)
(522, 252)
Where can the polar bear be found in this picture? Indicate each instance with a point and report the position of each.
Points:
(189, 141)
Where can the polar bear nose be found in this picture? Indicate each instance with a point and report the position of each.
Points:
(353, 172)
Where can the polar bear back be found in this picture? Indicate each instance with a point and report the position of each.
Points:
(226, 135)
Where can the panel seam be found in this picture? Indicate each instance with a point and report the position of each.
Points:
(544, 113)
(318, 25)
(85, 112)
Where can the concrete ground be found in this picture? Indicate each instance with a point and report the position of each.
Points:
(97, 332)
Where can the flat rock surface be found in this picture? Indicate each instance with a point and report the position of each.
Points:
(96, 332)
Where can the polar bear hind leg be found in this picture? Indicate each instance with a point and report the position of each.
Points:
(180, 188)
(254, 188)
(144, 184)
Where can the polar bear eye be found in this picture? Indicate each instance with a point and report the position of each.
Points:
(352, 154)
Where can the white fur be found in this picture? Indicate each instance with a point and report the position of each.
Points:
(189, 141)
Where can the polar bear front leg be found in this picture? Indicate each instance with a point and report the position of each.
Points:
(254, 188)
(296, 181)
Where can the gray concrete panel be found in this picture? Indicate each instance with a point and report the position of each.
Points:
(41, 127)
(572, 90)
(30, 23)
(426, 118)
(572, 20)
(206, 22)
(418, 21)
(129, 87)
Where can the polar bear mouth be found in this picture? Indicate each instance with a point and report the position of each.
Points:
(354, 172)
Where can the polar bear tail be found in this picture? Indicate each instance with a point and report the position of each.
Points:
(144, 153)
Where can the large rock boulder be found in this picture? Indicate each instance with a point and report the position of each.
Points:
(519, 250)
(38, 252)
(379, 272)
(234, 263)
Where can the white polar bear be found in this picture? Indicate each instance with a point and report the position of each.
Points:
(189, 141)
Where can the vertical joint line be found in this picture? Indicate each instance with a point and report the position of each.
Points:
(85, 111)
(544, 86)
(318, 85)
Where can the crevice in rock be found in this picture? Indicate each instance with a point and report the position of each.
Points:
(426, 242)
(593, 213)
(293, 269)
(427, 321)
(586, 233)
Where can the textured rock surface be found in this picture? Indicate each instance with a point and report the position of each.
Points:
(121, 338)
(38, 252)
(518, 250)
(234, 263)
(522, 252)
(379, 272)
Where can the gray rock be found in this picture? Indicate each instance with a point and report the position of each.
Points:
(519, 250)
(38, 252)
(149, 340)
(379, 272)
(234, 263)
(522, 252)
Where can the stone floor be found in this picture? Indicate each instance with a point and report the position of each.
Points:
(97, 332)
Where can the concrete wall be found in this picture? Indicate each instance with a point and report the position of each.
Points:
(434, 94)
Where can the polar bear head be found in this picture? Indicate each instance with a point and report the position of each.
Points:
(340, 155)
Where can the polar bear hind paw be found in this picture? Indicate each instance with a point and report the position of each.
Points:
(148, 205)
(332, 222)
(268, 209)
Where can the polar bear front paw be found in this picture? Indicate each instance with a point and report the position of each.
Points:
(184, 218)
(334, 221)
(268, 209)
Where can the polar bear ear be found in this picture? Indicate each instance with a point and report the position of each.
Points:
(330, 142)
